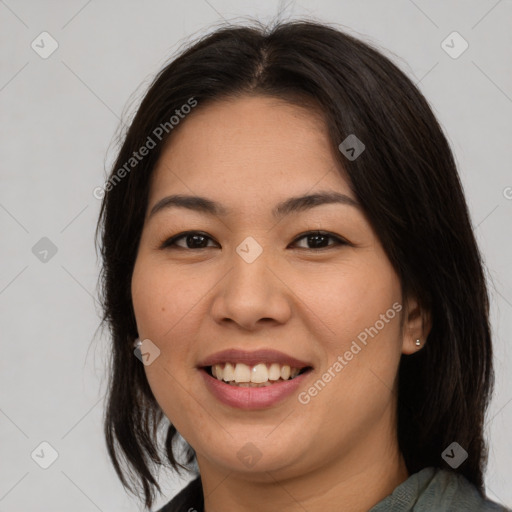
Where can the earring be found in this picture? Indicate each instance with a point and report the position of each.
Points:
(137, 343)
(418, 342)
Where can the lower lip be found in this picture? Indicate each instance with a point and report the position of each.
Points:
(252, 398)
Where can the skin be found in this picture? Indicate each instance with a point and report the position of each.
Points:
(340, 449)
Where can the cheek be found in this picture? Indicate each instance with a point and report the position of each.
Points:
(166, 308)
(348, 298)
(166, 304)
(164, 299)
(359, 308)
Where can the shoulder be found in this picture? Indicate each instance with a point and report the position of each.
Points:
(189, 499)
(460, 494)
(439, 490)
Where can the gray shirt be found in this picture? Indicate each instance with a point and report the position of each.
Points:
(428, 490)
(439, 490)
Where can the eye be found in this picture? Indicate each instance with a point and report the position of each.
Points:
(318, 238)
(193, 240)
(199, 240)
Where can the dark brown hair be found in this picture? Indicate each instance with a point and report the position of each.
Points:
(407, 183)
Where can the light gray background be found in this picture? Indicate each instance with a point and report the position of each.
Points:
(59, 116)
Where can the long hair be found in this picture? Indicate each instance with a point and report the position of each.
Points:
(407, 183)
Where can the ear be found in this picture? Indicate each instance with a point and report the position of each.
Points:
(417, 325)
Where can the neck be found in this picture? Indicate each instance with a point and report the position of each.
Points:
(356, 481)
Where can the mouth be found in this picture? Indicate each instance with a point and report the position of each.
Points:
(253, 380)
(262, 374)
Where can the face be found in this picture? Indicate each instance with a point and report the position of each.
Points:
(309, 281)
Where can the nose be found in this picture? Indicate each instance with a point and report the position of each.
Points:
(252, 294)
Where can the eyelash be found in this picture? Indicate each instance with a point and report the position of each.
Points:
(171, 242)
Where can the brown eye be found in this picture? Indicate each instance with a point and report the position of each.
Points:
(192, 240)
(316, 240)
(319, 240)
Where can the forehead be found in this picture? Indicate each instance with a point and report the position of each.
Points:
(253, 143)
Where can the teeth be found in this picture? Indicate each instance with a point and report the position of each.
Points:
(285, 372)
(242, 373)
(274, 372)
(229, 372)
(259, 375)
(251, 384)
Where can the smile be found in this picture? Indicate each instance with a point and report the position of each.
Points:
(253, 395)
(253, 379)
(259, 375)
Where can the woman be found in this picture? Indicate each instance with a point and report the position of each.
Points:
(287, 246)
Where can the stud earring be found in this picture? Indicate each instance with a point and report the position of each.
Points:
(137, 343)
(418, 342)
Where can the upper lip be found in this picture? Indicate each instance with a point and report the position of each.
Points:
(234, 355)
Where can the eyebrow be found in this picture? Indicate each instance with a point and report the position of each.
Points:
(290, 205)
